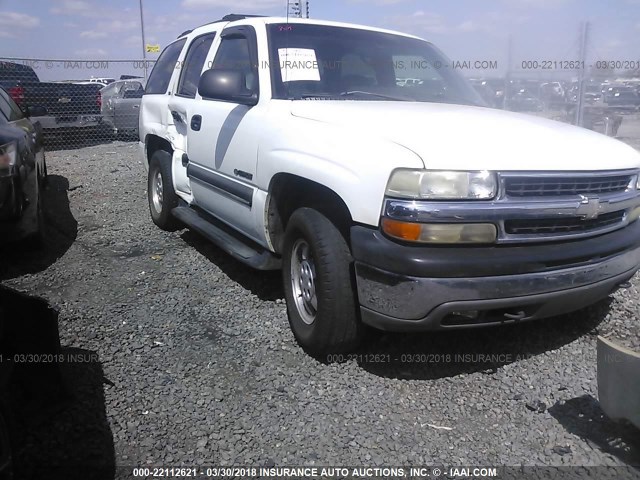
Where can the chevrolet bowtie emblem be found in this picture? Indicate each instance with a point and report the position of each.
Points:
(64, 100)
(589, 208)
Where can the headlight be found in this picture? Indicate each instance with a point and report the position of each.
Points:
(442, 185)
(8, 154)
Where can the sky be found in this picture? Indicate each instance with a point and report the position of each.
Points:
(466, 30)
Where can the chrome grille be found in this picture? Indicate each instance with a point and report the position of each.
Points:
(562, 225)
(555, 186)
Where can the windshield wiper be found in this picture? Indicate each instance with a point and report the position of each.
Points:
(374, 94)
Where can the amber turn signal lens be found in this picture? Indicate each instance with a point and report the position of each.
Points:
(451, 233)
(403, 230)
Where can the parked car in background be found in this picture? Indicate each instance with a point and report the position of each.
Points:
(121, 106)
(23, 173)
(592, 93)
(486, 92)
(70, 107)
(552, 91)
(103, 80)
(622, 96)
(524, 101)
(491, 90)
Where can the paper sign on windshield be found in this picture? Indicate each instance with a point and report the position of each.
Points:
(298, 64)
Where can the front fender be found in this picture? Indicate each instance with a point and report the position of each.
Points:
(351, 163)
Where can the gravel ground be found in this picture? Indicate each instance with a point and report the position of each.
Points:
(197, 364)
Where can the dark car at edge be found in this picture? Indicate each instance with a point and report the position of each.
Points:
(23, 173)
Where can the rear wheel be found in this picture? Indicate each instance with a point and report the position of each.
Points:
(319, 285)
(37, 239)
(162, 197)
(6, 467)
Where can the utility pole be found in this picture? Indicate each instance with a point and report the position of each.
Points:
(144, 43)
(584, 34)
(506, 91)
(298, 8)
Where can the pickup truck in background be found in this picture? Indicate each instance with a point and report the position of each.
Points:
(71, 108)
(407, 206)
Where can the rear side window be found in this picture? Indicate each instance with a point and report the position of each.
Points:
(164, 67)
(193, 63)
(15, 72)
(133, 90)
(9, 108)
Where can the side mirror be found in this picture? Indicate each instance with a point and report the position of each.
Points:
(226, 85)
(35, 111)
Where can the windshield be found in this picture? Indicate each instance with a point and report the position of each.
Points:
(326, 62)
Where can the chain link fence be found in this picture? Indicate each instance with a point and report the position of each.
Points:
(80, 102)
(609, 106)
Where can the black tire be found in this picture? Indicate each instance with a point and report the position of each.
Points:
(334, 326)
(44, 180)
(160, 205)
(38, 239)
(6, 464)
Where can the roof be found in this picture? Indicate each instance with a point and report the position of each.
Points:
(257, 20)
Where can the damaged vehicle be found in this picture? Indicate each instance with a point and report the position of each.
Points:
(406, 208)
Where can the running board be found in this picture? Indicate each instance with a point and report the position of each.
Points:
(228, 240)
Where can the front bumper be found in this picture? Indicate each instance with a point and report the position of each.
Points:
(73, 122)
(404, 288)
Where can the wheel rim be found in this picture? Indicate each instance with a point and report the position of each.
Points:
(303, 281)
(156, 191)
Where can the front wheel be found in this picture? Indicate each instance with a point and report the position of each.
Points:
(319, 285)
(162, 197)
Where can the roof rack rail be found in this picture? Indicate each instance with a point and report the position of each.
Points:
(232, 17)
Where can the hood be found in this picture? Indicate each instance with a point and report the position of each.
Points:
(457, 137)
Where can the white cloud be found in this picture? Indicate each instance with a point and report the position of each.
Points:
(91, 34)
(117, 26)
(379, 2)
(81, 8)
(136, 40)
(91, 52)
(530, 4)
(613, 45)
(18, 20)
(490, 23)
(247, 5)
(133, 41)
(71, 7)
(174, 24)
(468, 26)
(421, 21)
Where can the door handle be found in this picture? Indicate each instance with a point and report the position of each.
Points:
(136, 106)
(196, 122)
(176, 117)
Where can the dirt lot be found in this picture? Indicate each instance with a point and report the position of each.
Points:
(196, 364)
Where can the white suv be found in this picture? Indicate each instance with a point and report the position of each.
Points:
(401, 205)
